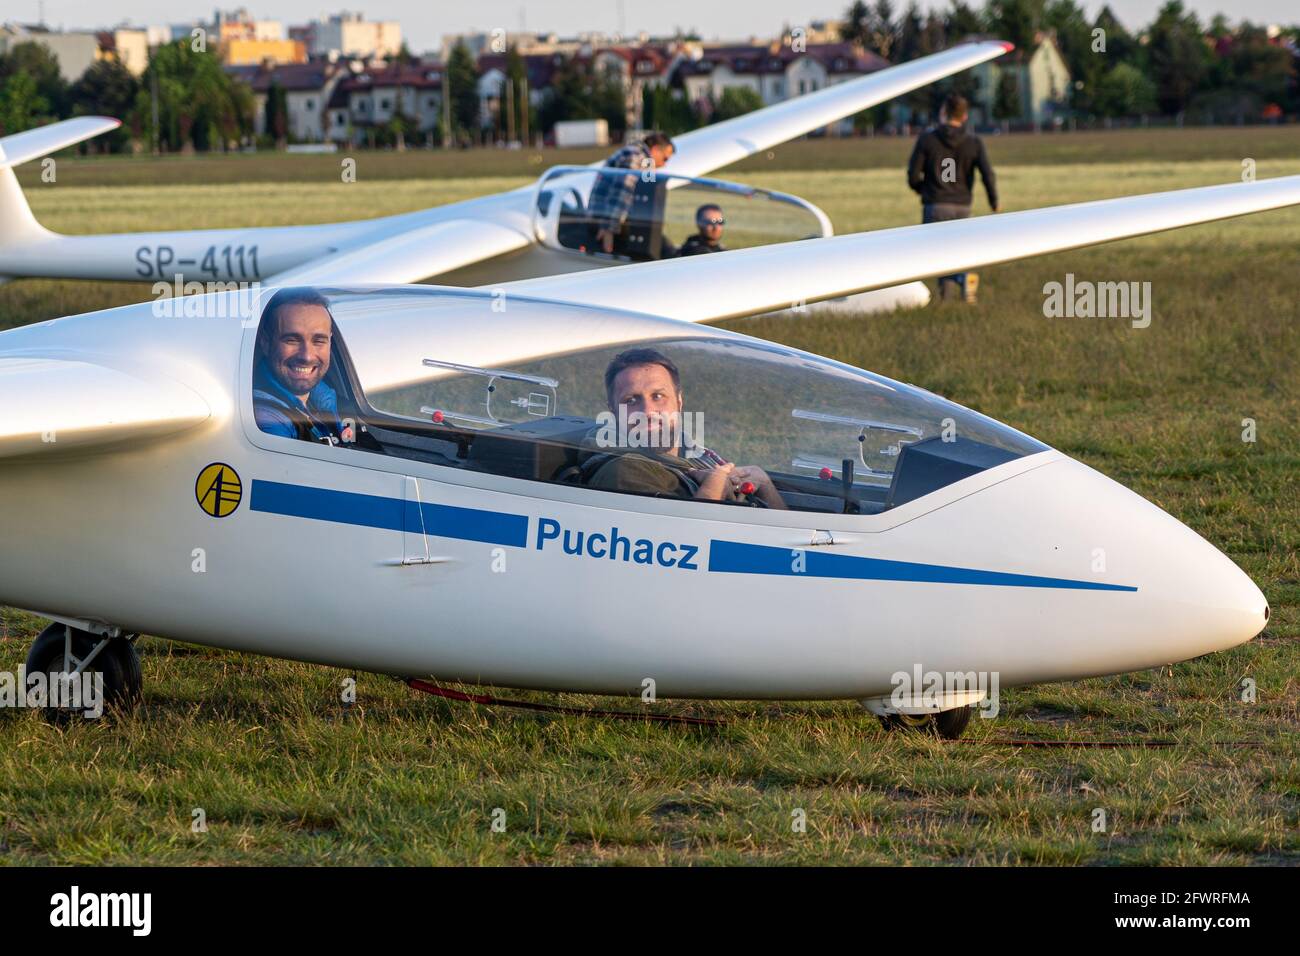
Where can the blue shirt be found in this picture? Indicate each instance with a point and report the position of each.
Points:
(280, 412)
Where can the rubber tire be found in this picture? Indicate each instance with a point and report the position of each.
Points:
(951, 724)
(118, 663)
(948, 724)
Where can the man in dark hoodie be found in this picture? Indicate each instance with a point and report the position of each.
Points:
(942, 171)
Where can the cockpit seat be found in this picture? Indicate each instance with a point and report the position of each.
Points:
(539, 450)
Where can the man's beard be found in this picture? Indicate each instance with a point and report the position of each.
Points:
(655, 432)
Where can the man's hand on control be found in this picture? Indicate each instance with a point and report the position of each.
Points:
(763, 486)
(716, 483)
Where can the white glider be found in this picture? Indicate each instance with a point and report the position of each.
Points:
(491, 239)
(453, 512)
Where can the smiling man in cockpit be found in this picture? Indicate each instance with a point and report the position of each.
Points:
(290, 396)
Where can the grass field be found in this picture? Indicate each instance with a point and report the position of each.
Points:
(286, 774)
(879, 152)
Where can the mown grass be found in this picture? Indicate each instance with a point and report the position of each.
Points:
(854, 153)
(285, 773)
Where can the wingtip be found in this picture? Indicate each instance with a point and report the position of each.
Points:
(1007, 46)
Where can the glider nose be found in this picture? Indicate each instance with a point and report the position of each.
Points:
(1190, 598)
(1122, 586)
(1225, 609)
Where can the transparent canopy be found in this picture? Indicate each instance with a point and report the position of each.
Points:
(650, 215)
(442, 378)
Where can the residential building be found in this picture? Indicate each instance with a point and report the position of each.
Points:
(241, 51)
(128, 46)
(307, 88)
(240, 25)
(637, 69)
(1041, 80)
(350, 35)
(774, 71)
(368, 98)
(74, 51)
(539, 70)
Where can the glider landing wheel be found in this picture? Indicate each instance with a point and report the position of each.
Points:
(948, 724)
(60, 650)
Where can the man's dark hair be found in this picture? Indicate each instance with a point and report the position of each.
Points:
(658, 139)
(699, 213)
(270, 327)
(634, 357)
(956, 107)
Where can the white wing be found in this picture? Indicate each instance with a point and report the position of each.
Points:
(411, 255)
(413, 250)
(703, 150)
(58, 405)
(433, 250)
(23, 147)
(763, 279)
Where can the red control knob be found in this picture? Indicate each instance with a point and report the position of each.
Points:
(437, 418)
(747, 488)
(826, 474)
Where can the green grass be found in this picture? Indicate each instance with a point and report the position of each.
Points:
(857, 153)
(286, 774)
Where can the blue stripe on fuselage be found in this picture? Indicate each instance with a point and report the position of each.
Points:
(732, 557)
(737, 558)
(392, 514)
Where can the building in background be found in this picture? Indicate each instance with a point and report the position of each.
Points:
(128, 46)
(250, 52)
(820, 31)
(307, 91)
(539, 71)
(1038, 82)
(369, 98)
(240, 25)
(774, 71)
(349, 35)
(637, 69)
(242, 40)
(75, 51)
(497, 42)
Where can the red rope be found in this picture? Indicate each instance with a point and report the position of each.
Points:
(1156, 744)
(429, 688)
(436, 691)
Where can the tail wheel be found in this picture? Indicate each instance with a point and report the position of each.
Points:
(948, 724)
(60, 649)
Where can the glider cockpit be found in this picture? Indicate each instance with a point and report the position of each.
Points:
(651, 215)
(517, 387)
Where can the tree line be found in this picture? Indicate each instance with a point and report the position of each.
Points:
(1176, 66)
(184, 95)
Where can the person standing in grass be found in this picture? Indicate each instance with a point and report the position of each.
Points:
(942, 171)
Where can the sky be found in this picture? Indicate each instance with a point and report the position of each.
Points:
(425, 21)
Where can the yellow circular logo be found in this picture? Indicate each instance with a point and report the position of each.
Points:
(218, 490)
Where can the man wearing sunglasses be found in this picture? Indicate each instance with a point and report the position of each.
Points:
(709, 220)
